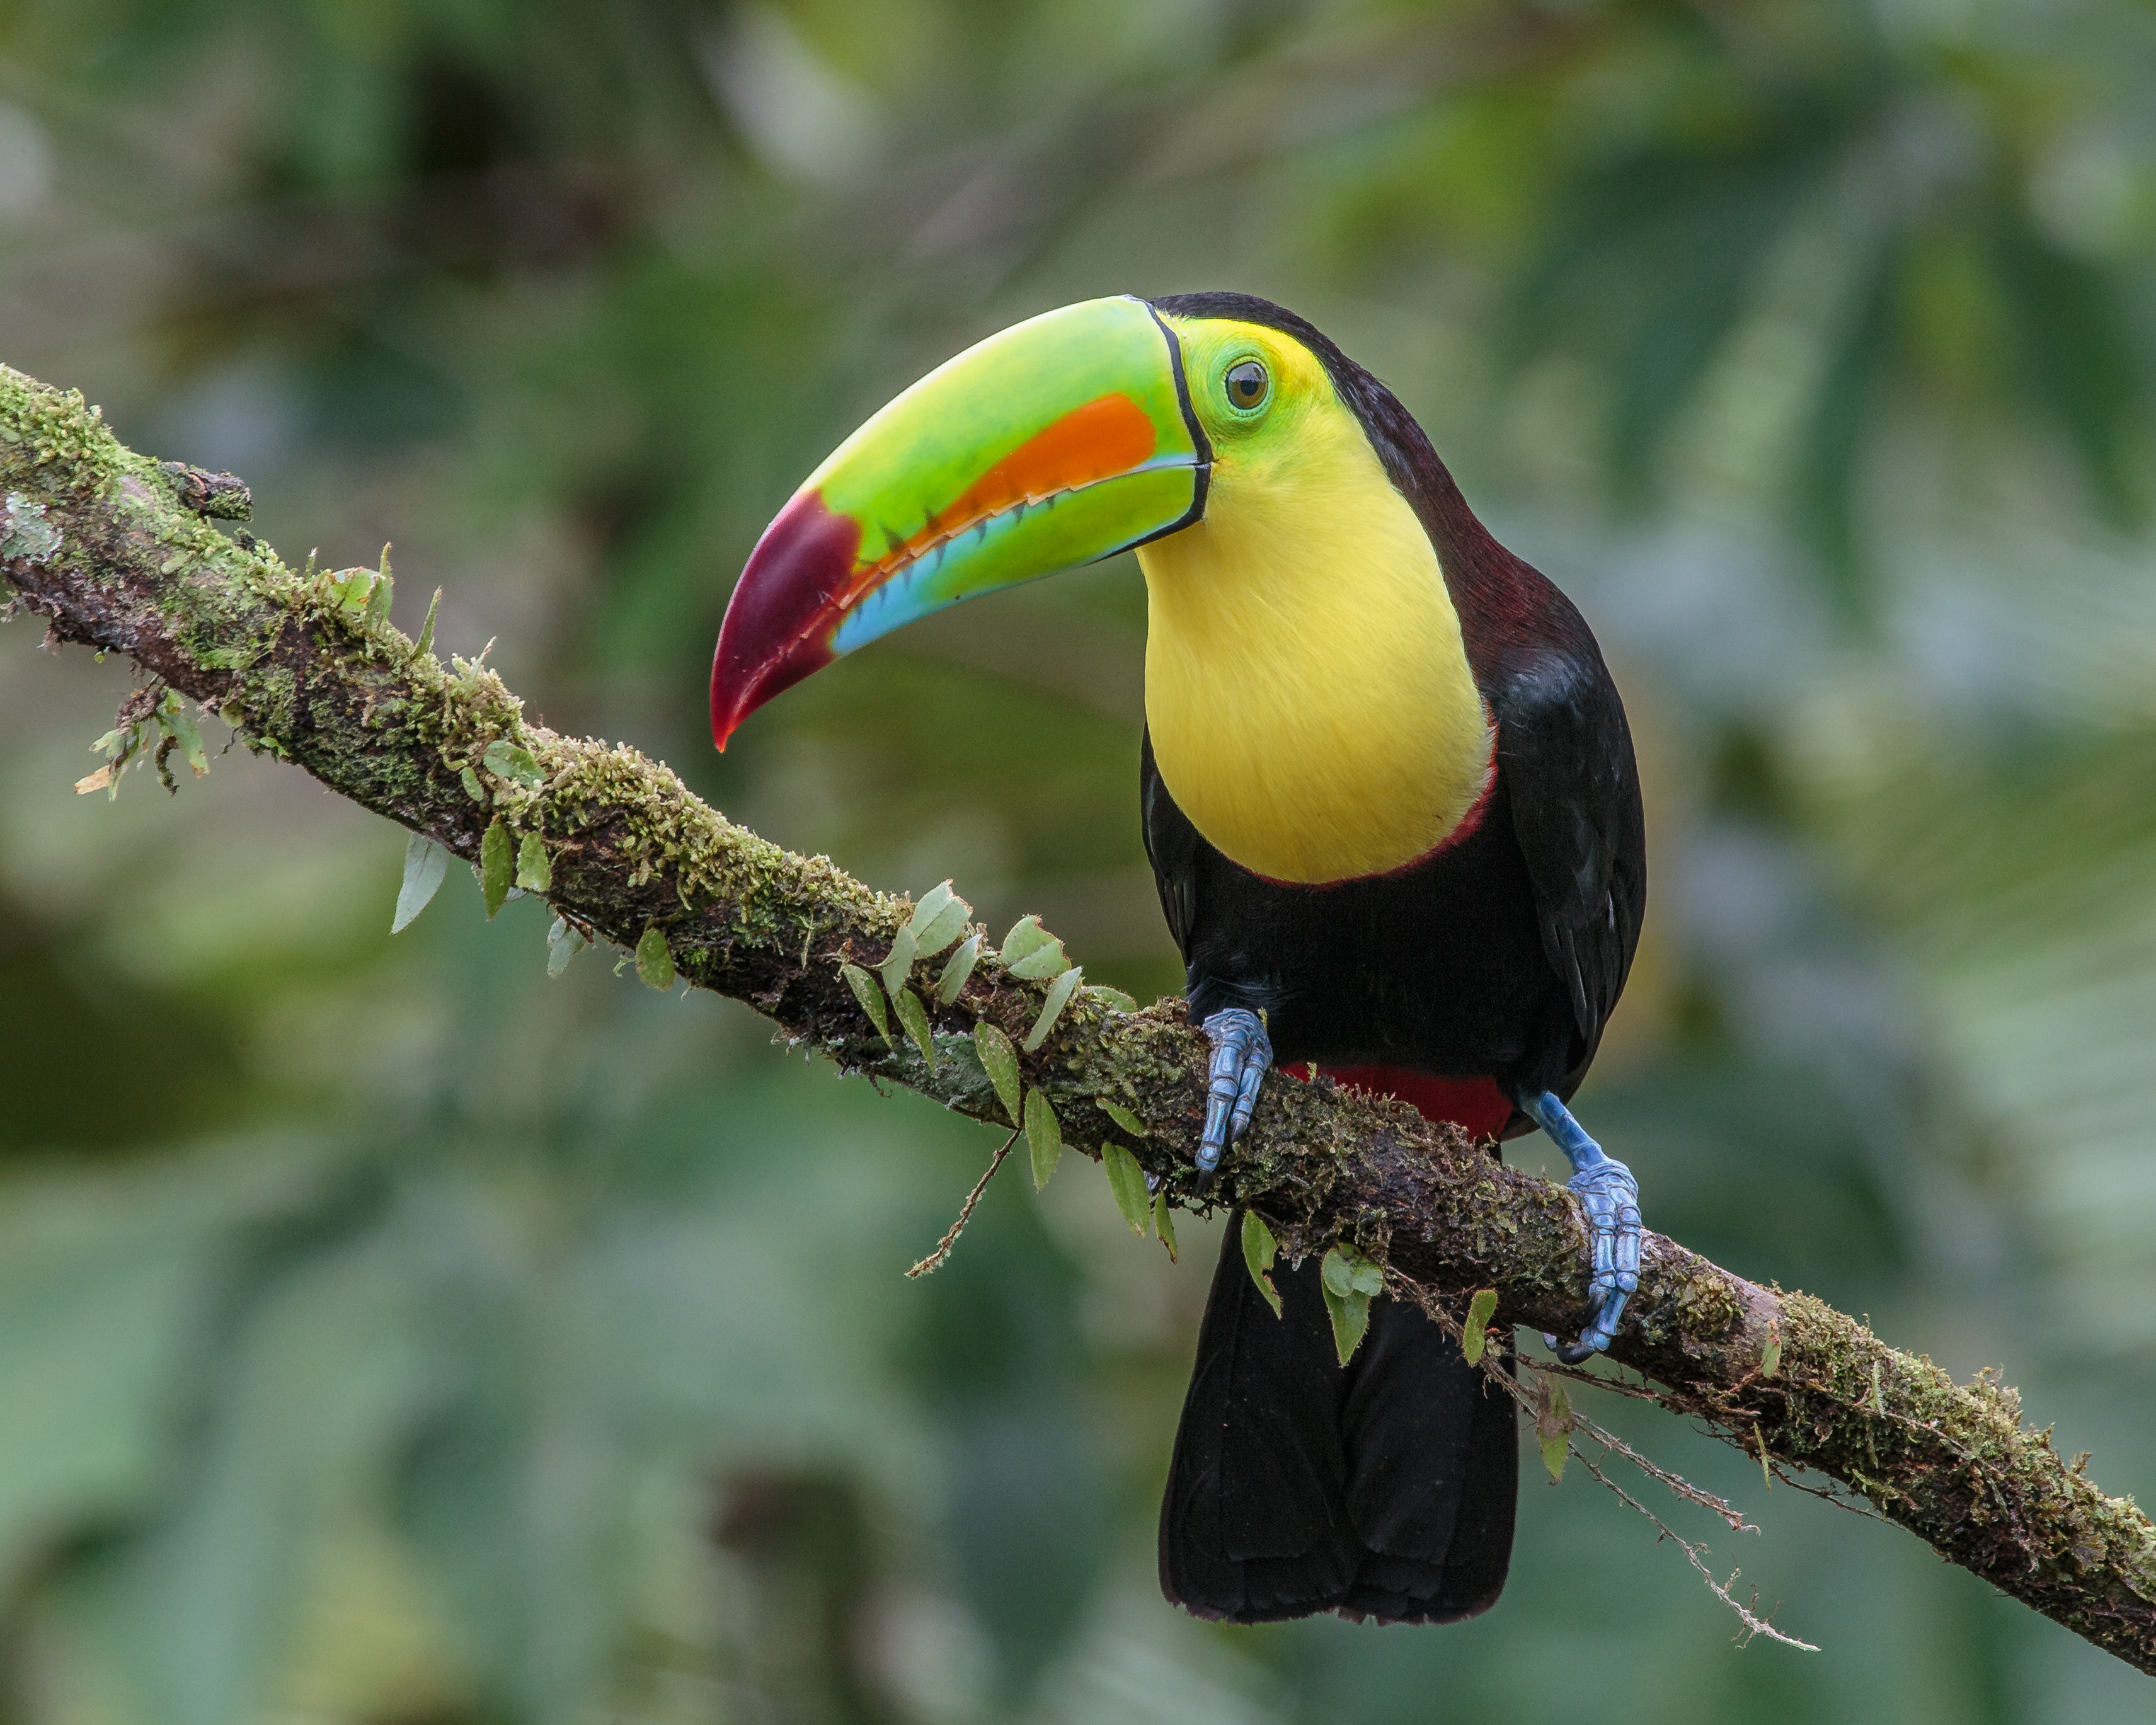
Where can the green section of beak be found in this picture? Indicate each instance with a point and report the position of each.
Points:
(1060, 441)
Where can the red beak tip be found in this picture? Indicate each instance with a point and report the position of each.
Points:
(778, 624)
(724, 724)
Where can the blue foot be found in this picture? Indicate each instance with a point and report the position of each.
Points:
(1242, 1053)
(1610, 1196)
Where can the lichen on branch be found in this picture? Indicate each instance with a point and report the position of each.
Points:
(116, 551)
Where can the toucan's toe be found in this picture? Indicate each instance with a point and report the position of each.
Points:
(1242, 1055)
(1610, 1196)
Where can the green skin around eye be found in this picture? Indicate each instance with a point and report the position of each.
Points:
(1295, 387)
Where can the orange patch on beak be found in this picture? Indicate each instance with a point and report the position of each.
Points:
(1109, 435)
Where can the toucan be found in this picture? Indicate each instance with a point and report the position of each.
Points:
(1390, 800)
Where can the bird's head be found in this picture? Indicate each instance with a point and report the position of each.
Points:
(1059, 442)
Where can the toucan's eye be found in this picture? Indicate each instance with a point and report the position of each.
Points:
(1247, 385)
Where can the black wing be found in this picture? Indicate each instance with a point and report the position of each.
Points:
(1565, 752)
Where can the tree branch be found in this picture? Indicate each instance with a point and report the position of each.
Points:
(110, 548)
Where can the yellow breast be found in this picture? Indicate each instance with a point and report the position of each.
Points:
(1307, 686)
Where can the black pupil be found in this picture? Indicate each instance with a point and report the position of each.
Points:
(1247, 384)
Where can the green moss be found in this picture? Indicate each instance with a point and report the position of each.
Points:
(44, 428)
(1706, 1305)
(26, 533)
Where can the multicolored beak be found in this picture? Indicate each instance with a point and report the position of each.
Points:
(1061, 441)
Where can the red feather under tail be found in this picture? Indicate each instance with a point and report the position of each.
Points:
(1476, 1105)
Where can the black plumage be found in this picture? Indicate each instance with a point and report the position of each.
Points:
(1296, 1486)
(1383, 1489)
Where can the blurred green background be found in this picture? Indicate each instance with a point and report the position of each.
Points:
(391, 1336)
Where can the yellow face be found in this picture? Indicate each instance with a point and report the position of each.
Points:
(1311, 707)
(1258, 393)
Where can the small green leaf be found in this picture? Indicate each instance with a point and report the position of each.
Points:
(1475, 1338)
(1042, 962)
(1259, 1248)
(1350, 1313)
(870, 992)
(378, 601)
(654, 959)
(1043, 1136)
(1124, 1118)
(1347, 1271)
(1552, 1425)
(899, 965)
(1350, 1280)
(473, 788)
(1115, 998)
(1163, 1223)
(505, 760)
(425, 643)
(1126, 1180)
(426, 865)
(1770, 1361)
(1026, 935)
(939, 919)
(182, 729)
(563, 943)
(949, 985)
(914, 1016)
(1059, 996)
(535, 870)
(999, 1061)
(497, 868)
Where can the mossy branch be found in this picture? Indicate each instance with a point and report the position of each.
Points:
(116, 552)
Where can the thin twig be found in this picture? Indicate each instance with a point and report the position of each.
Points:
(1575, 1422)
(1754, 1623)
(1615, 1386)
(1679, 1486)
(934, 1261)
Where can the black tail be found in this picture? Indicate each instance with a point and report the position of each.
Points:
(1383, 1490)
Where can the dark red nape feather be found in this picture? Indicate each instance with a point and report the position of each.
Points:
(1476, 1105)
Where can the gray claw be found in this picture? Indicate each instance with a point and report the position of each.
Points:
(1610, 1196)
(1242, 1055)
(1611, 1199)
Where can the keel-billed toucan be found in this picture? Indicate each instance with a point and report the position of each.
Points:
(1390, 800)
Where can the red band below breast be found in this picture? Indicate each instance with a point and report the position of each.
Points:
(1476, 1105)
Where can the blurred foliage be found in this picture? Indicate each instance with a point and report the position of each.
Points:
(389, 1335)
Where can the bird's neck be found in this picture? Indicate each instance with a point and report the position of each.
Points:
(1307, 687)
